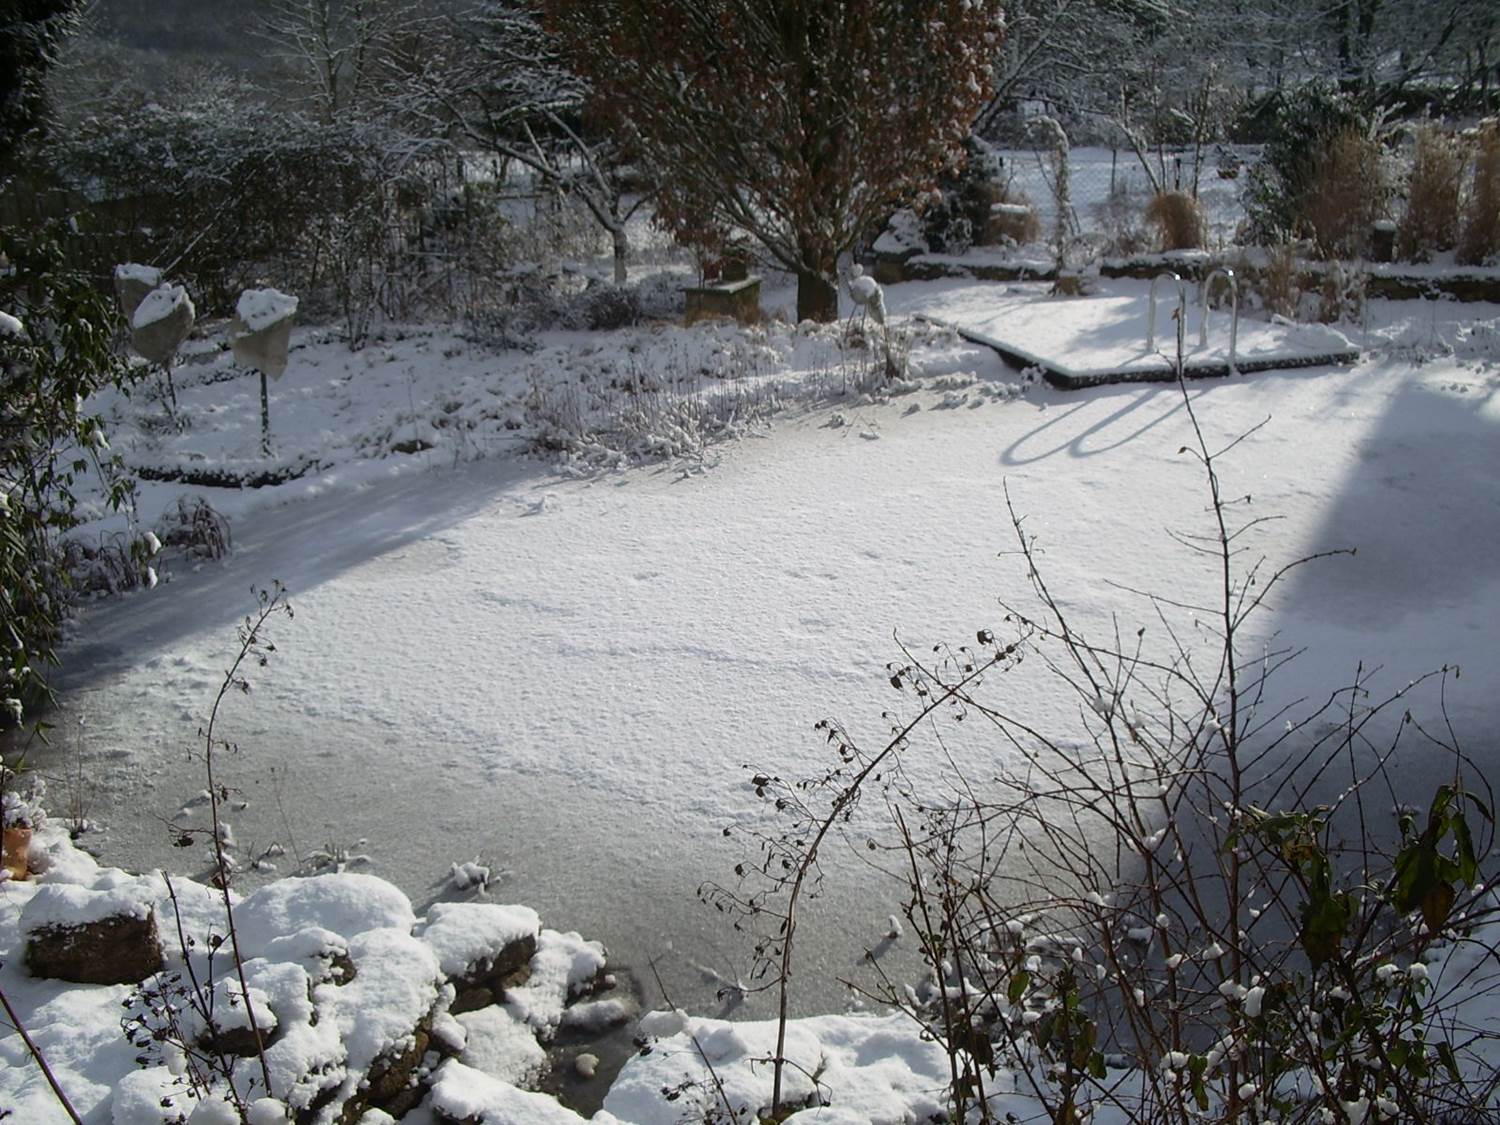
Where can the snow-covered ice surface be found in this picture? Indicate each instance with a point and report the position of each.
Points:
(563, 673)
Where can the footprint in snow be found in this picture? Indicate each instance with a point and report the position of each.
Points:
(869, 435)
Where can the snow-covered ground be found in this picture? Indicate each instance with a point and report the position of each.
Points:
(562, 668)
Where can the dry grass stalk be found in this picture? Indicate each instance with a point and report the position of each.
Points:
(1277, 283)
(1346, 197)
(1012, 219)
(1341, 295)
(1433, 194)
(1178, 219)
(1480, 243)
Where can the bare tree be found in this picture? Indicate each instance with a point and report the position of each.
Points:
(332, 46)
(501, 82)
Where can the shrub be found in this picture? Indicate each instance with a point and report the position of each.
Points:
(1430, 221)
(1178, 219)
(1341, 295)
(1345, 195)
(961, 211)
(1300, 125)
(1480, 243)
(55, 354)
(1277, 283)
(607, 307)
(234, 192)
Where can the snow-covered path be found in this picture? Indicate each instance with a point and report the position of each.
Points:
(565, 677)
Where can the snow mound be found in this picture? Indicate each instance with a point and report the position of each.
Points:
(872, 1069)
(347, 904)
(502, 1047)
(312, 949)
(462, 934)
(396, 987)
(565, 966)
(461, 1093)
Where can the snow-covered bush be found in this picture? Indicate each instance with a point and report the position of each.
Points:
(234, 192)
(1121, 220)
(21, 797)
(607, 307)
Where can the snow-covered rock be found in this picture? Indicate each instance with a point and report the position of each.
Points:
(346, 904)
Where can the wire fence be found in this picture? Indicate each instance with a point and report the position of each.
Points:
(1108, 190)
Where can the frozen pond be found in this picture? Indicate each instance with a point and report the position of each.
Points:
(565, 678)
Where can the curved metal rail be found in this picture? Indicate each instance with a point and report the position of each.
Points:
(1234, 311)
(1165, 275)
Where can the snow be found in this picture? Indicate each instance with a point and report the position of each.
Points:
(501, 1046)
(323, 1035)
(134, 271)
(593, 1016)
(61, 905)
(1095, 336)
(462, 934)
(495, 638)
(348, 904)
(875, 1069)
(465, 1094)
(161, 303)
(903, 234)
(261, 308)
(312, 948)
(396, 986)
(564, 967)
(566, 662)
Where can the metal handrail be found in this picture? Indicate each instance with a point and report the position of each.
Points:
(1181, 305)
(1234, 310)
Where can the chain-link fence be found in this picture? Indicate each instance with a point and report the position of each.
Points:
(1108, 190)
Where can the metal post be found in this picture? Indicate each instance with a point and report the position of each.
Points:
(265, 418)
(171, 395)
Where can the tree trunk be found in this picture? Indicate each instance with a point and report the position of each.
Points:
(817, 297)
(622, 248)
